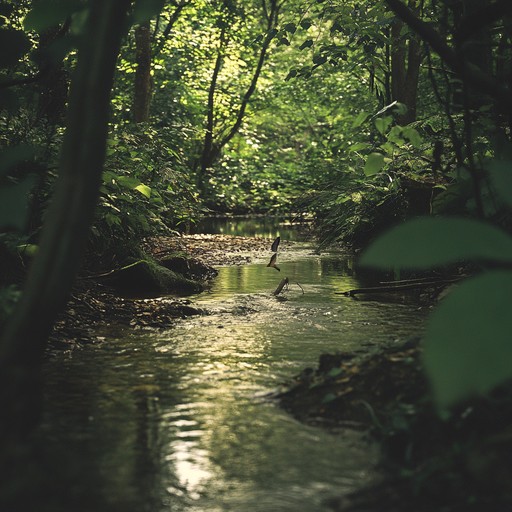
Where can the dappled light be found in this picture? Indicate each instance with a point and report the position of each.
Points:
(256, 255)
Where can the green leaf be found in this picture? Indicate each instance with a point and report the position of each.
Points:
(412, 135)
(358, 146)
(290, 27)
(50, 13)
(127, 181)
(29, 250)
(14, 204)
(335, 372)
(329, 397)
(429, 242)
(112, 220)
(144, 10)
(320, 59)
(383, 123)
(468, 348)
(374, 164)
(395, 135)
(501, 178)
(144, 190)
(360, 119)
(292, 74)
(306, 44)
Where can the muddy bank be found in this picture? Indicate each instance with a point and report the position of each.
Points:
(120, 297)
(457, 463)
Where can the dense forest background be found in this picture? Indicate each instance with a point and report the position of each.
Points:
(122, 120)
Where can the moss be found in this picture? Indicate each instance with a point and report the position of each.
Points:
(145, 277)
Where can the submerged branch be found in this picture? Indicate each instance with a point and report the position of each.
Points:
(414, 284)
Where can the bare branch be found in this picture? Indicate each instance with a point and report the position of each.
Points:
(170, 24)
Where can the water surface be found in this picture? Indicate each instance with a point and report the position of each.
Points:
(177, 420)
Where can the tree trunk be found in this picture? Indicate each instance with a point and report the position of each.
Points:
(405, 67)
(212, 148)
(53, 84)
(210, 151)
(143, 86)
(67, 222)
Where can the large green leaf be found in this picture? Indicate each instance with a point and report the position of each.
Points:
(14, 204)
(468, 343)
(50, 13)
(412, 135)
(501, 178)
(429, 242)
(374, 163)
(144, 10)
(128, 182)
(383, 123)
(144, 190)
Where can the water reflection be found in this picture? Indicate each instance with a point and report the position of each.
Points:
(263, 226)
(174, 421)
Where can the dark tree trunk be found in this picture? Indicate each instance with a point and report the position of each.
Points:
(54, 81)
(405, 67)
(143, 85)
(67, 222)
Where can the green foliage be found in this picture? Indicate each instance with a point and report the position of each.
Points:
(374, 163)
(429, 242)
(322, 135)
(145, 188)
(467, 345)
(47, 14)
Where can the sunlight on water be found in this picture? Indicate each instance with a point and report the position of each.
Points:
(176, 420)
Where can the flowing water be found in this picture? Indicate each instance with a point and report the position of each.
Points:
(177, 420)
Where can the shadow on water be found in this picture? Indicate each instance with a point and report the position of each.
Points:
(175, 420)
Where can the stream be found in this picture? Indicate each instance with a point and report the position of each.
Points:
(178, 419)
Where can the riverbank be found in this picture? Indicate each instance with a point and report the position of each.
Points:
(458, 463)
(427, 463)
(97, 301)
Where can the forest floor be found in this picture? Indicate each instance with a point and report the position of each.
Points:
(458, 463)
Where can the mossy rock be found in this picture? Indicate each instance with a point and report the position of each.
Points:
(147, 278)
(191, 268)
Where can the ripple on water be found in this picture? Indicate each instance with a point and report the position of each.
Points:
(171, 420)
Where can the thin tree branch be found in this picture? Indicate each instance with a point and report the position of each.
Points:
(271, 24)
(170, 24)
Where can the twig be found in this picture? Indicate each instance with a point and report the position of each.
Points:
(284, 282)
(399, 287)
